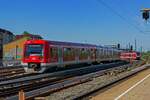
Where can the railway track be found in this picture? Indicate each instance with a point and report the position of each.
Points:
(43, 84)
(9, 68)
(10, 72)
(31, 83)
(102, 87)
(85, 79)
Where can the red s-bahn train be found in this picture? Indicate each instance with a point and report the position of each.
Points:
(130, 55)
(40, 55)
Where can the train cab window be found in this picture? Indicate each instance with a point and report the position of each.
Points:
(104, 52)
(34, 49)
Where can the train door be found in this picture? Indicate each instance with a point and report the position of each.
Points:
(93, 54)
(53, 54)
(105, 54)
(77, 55)
(102, 54)
(60, 59)
(97, 54)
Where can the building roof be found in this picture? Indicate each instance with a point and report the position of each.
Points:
(29, 35)
(6, 31)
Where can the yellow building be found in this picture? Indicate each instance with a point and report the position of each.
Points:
(14, 49)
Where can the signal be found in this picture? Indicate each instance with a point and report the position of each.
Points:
(145, 15)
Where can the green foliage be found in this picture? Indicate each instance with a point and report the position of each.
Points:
(25, 33)
(146, 56)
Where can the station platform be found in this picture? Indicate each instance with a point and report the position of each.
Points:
(136, 87)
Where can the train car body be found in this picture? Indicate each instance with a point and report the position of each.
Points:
(128, 56)
(40, 55)
(138, 55)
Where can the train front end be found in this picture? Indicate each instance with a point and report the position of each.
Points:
(34, 56)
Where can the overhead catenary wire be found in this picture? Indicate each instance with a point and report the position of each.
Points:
(121, 17)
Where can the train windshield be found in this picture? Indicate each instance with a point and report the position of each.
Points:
(34, 49)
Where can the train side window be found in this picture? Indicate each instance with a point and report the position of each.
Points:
(69, 52)
(66, 51)
(97, 52)
(105, 52)
(102, 51)
(92, 53)
(54, 52)
(77, 52)
(83, 53)
(110, 52)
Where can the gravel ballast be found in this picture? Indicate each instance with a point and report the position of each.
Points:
(84, 88)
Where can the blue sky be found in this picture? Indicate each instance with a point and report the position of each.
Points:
(90, 21)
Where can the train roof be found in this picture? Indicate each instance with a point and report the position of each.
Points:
(72, 44)
(60, 43)
(69, 44)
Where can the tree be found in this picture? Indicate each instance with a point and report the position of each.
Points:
(25, 33)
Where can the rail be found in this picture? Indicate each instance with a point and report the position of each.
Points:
(67, 80)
